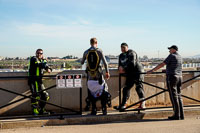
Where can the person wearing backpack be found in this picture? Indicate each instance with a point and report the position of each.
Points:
(97, 87)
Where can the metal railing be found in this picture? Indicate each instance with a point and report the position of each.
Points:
(31, 97)
(163, 90)
(80, 111)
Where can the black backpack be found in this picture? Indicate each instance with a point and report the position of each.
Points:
(93, 62)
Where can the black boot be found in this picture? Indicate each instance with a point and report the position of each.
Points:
(43, 112)
(174, 117)
(109, 100)
(104, 110)
(87, 107)
(94, 111)
(35, 111)
(94, 108)
(117, 107)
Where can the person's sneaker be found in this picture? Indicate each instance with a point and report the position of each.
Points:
(142, 104)
(116, 107)
(120, 108)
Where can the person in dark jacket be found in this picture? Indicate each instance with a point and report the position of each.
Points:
(37, 65)
(131, 67)
(174, 81)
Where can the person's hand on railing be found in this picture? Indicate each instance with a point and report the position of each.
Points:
(149, 72)
(107, 76)
(121, 70)
(49, 70)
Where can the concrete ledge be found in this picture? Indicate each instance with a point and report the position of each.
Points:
(85, 119)
(166, 113)
(112, 116)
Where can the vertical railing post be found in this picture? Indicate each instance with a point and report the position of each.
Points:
(80, 100)
(120, 90)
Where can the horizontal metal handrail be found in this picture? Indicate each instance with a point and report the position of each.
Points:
(53, 76)
(163, 90)
(26, 77)
(30, 97)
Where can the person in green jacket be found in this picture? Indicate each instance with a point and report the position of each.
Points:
(37, 66)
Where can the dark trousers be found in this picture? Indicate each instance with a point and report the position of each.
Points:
(36, 87)
(130, 82)
(174, 86)
(103, 99)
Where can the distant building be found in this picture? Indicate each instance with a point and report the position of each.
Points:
(53, 58)
(111, 59)
(1, 58)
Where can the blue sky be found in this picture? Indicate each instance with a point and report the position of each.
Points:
(63, 27)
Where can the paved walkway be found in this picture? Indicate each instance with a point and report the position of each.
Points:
(159, 125)
(149, 120)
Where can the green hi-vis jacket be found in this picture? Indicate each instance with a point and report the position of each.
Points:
(36, 69)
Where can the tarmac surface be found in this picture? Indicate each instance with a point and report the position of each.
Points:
(159, 125)
(151, 121)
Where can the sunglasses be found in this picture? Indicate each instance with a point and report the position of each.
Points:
(40, 53)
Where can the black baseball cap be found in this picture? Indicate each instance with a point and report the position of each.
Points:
(174, 47)
(124, 44)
